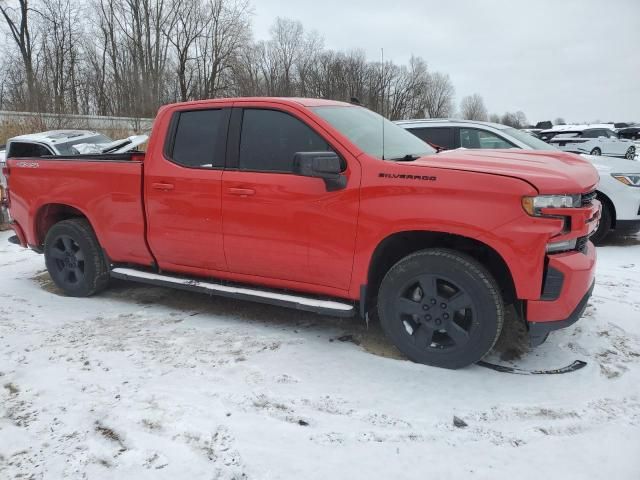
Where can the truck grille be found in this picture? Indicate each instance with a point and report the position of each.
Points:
(581, 245)
(587, 198)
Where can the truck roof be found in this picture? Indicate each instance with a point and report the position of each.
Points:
(305, 102)
(56, 136)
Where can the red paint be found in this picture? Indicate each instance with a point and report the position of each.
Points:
(288, 231)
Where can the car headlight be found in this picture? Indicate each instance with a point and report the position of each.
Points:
(534, 205)
(630, 179)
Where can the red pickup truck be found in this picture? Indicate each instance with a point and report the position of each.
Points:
(323, 206)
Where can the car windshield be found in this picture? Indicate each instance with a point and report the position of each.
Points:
(528, 139)
(65, 148)
(364, 128)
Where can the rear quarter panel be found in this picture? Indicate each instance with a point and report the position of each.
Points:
(108, 193)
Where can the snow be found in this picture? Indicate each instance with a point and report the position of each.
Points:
(147, 382)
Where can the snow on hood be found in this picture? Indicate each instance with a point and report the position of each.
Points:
(612, 164)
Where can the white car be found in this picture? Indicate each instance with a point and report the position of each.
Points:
(69, 143)
(618, 190)
(594, 141)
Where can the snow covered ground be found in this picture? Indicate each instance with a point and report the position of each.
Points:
(144, 382)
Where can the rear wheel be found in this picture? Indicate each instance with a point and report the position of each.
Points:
(604, 226)
(631, 153)
(596, 151)
(441, 308)
(74, 258)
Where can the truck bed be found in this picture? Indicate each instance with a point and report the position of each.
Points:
(105, 188)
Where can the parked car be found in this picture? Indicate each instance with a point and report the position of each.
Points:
(594, 141)
(630, 133)
(323, 214)
(618, 189)
(69, 143)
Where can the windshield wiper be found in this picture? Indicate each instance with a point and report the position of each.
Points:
(407, 158)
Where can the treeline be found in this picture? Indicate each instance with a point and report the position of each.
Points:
(128, 57)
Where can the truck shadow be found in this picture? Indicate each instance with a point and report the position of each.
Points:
(370, 337)
(614, 240)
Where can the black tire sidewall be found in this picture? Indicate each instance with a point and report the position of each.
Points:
(604, 226)
(469, 275)
(88, 245)
(593, 151)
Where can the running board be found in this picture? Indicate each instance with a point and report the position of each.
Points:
(325, 307)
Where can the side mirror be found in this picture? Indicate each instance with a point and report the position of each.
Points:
(325, 165)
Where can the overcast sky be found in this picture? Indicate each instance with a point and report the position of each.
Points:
(579, 59)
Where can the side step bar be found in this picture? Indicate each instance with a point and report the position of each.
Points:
(325, 307)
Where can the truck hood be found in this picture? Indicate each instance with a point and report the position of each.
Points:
(548, 171)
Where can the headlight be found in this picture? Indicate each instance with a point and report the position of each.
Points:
(534, 205)
(631, 179)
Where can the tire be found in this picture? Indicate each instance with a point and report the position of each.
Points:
(605, 224)
(596, 151)
(415, 305)
(74, 258)
(631, 153)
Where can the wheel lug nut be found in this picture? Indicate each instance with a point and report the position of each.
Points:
(438, 321)
(433, 301)
(443, 305)
(427, 317)
(445, 316)
(425, 307)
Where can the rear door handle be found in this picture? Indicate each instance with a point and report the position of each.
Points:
(243, 192)
(163, 186)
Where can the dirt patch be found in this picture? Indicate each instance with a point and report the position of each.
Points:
(13, 389)
(44, 280)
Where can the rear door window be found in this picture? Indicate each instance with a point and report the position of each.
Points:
(199, 139)
(439, 137)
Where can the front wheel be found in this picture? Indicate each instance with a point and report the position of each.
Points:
(596, 151)
(631, 153)
(441, 308)
(74, 258)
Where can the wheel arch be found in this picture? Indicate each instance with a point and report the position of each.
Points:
(51, 213)
(400, 244)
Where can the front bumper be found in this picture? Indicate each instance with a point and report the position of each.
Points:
(539, 331)
(563, 307)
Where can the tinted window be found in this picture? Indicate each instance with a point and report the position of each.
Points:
(23, 149)
(473, 138)
(270, 139)
(199, 138)
(439, 137)
(591, 133)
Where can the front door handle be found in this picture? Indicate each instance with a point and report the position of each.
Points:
(243, 192)
(165, 187)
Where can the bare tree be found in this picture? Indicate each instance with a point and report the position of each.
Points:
(17, 20)
(472, 108)
(438, 96)
(559, 121)
(494, 117)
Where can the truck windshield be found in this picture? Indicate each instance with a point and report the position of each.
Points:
(364, 128)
